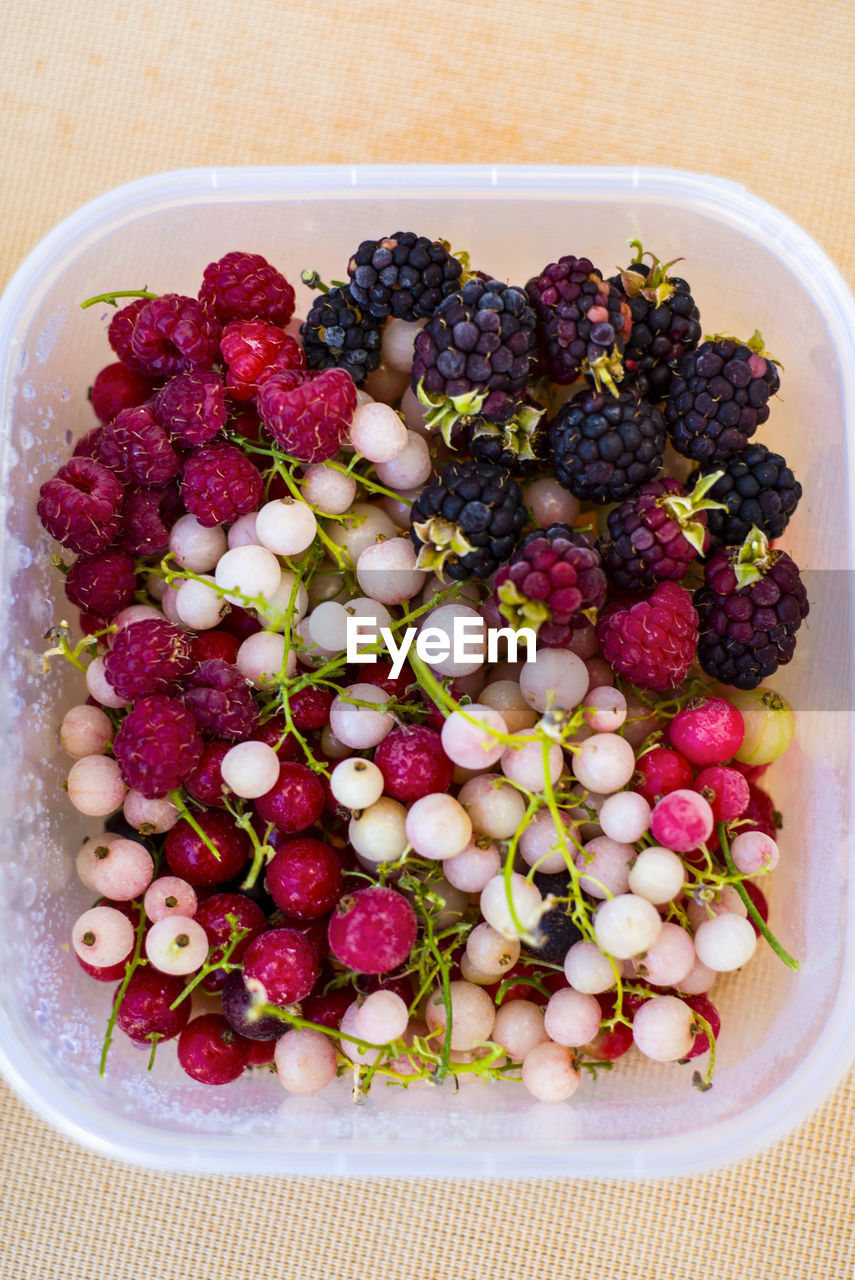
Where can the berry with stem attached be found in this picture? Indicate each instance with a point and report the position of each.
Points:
(467, 522)
(664, 317)
(582, 322)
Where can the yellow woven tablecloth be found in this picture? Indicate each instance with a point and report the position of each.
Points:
(97, 93)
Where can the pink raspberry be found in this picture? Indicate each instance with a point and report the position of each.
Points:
(413, 763)
(117, 387)
(554, 583)
(137, 448)
(157, 745)
(652, 642)
(174, 334)
(221, 700)
(192, 407)
(244, 286)
(254, 350)
(81, 506)
(147, 657)
(145, 522)
(102, 585)
(308, 418)
(121, 332)
(219, 484)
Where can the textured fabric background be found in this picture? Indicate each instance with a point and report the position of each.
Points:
(95, 94)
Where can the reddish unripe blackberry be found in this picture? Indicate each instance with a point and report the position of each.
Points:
(657, 534)
(147, 657)
(216, 644)
(582, 322)
(254, 351)
(659, 772)
(238, 1012)
(103, 584)
(705, 1007)
(205, 781)
(188, 854)
(310, 707)
(244, 286)
(726, 790)
(116, 387)
(147, 516)
(284, 963)
(137, 448)
(157, 746)
(221, 700)
(173, 334)
(219, 484)
(756, 488)
(553, 584)
(651, 642)
(413, 763)
(145, 1009)
(467, 521)
(307, 415)
(372, 930)
(295, 801)
(81, 506)
(213, 915)
(750, 608)
(210, 1051)
(707, 731)
(304, 878)
(191, 407)
(664, 317)
(402, 275)
(338, 333)
(718, 397)
(473, 355)
(603, 447)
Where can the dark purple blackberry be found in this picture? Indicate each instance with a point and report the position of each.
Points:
(555, 928)
(718, 397)
(757, 488)
(665, 322)
(221, 700)
(750, 607)
(473, 355)
(582, 322)
(604, 447)
(554, 584)
(518, 445)
(467, 521)
(656, 535)
(403, 275)
(339, 334)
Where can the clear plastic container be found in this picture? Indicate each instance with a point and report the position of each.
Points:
(786, 1037)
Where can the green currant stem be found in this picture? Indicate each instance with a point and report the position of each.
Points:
(222, 962)
(750, 907)
(130, 967)
(155, 1038)
(704, 1081)
(110, 298)
(178, 800)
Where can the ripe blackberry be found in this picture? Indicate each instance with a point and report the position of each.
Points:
(244, 286)
(466, 523)
(653, 641)
(718, 397)
(147, 657)
(473, 355)
(102, 585)
(81, 506)
(221, 700)
(518, 445)
(750, 607)
(604, 447)
(137, 448)
(173, 334)
(757, 488)
(582, 322)
(339, 334)
(404, 275)
(157, 745)
(219, 484)
(665, 321)
(192, 407)
(554, 584)
(657, 533)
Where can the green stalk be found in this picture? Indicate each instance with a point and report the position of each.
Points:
(749, 905)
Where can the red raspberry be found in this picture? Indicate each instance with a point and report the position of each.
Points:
(284, 962)
(310, 708)
(221, 700)
(192, 407)
(81, 506)
(174, 334)
(121, 332)
(295, 801)
(211, 1052)
(244, 286)
(413, 763)
(205, 782)
(157, 745)
(219, 484)
(659, 772)
(652, 642)
(188, 856)
(212, 914)
(304, 878)
(145, 531)
(137, 448)
(145, 1007)
(117, 387)
(215, 644)
(147, 657)
(87, 446)
(102, 585)
(254, 350)
(309, 418)
(725, 789)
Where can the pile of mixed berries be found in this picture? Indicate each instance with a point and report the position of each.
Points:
(439, 867)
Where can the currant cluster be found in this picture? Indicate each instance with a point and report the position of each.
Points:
(331, 850)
